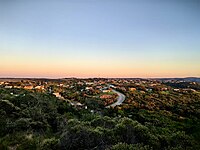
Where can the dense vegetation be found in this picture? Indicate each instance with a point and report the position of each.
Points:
(184, 85)
(34, 120)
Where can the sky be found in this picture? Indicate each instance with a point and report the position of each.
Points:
(99, 38)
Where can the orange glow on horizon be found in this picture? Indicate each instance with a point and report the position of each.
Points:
(90, 72)
(61, 68)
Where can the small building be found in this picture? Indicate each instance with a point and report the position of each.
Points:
(105, 96)
(149, 90)
(164, 89)
(17, 87)
(8, 87)
(106, 91)
(57, 95)
(88, 88)
(143, 92)
(89, 83)
(132, 89)
(176, 90)
(28, 87)
(39, 87)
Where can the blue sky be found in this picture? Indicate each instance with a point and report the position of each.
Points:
(126, 36)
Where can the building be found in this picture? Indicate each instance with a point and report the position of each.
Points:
(28, 87)
(105, 96)
(8, 87)
(132, 89)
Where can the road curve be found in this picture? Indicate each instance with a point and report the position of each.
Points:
(120, 99)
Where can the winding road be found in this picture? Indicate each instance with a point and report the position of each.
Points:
(120, 99)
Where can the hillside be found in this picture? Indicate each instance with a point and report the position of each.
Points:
(156, 119)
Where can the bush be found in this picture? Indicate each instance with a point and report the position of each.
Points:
(49, 144)
(8, 107)
(181, 139)
(125, 146)
(125, 129)
(122, 146)
(80, 137)
(105, 122)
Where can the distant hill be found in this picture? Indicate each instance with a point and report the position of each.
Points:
(187, 79)
(192, 79)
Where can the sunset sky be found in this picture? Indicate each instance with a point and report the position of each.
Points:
(99, 38)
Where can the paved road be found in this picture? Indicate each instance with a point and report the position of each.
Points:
(120, 99)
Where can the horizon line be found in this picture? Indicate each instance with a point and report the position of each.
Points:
(99, 77)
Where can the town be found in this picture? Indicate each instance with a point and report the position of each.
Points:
(102, 91)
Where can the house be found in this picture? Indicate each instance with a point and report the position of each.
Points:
(28, 87)
(112, 86)
(88, 88)
(8, 87)
(149, 90)
(189, 90)
(57, 95)
(192, 90)
(65, 86)
(105, 96)
(164, 89)
(79, 104)
(98, 87)
(132, 89)
(89, 83)
(60, 85)
(17, 87)
(80, 83)
(39, 87)
(176, 90)
(106, 91)
(153, 84)
(143, 92)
